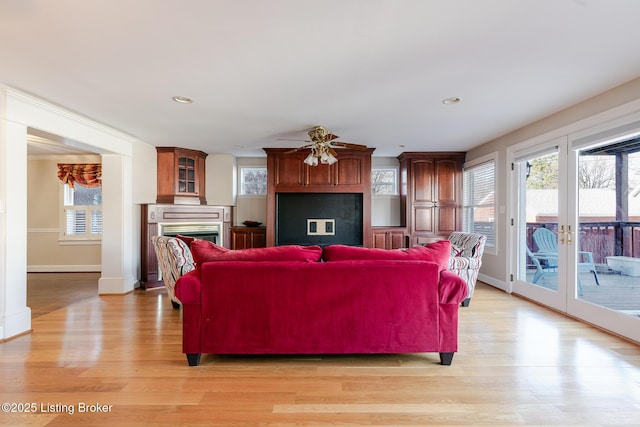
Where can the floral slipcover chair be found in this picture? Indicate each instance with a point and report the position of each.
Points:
(466, 258)
(174, 260)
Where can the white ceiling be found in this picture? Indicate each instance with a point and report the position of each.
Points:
(374, 72)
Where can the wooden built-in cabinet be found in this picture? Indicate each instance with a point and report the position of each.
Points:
(181, 176)
(390, 237)
(248, 237)
(290, 173)
(430, 194)
(287, 173)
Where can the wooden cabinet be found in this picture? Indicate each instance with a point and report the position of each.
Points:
(431, 191)
(287, 173)
(290, 173)
(181, 176)
(248, 237)
(390, 237)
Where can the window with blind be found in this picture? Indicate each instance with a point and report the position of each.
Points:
(479, 201)
(82, 212)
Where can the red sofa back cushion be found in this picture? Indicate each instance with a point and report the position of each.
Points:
(187, 239)
(438, 252)
(205, 251)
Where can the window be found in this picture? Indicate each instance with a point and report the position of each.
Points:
(82, 213)
(478, 200)
(384, 181)
(253, 181)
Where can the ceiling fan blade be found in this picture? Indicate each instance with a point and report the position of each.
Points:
(332, 152)
(298, 140)
(349, 145)
(304, 147)
(331, 137)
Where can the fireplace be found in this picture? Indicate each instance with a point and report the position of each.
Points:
(200, 221)
(211, 231)
(319, 219)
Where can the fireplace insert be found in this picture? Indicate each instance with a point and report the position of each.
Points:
(205, 231)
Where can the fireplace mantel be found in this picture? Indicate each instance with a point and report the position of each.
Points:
(155, 216)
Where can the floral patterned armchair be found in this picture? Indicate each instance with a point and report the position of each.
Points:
(174, 260)
(466, 258)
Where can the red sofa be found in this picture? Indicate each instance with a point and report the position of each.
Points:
(343, 306)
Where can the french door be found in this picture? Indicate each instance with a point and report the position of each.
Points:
(540, 224)
(574, 243)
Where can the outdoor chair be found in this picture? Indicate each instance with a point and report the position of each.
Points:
(547, 266)
(547, 243)
(546, 258)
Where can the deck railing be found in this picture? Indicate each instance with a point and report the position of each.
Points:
(602, 239)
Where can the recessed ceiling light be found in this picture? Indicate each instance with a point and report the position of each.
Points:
(452, 100)
(182, 99)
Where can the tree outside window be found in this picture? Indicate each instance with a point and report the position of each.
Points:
(384, 181)
(253, 181)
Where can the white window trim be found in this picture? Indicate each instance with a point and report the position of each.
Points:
(78, 239)
(396, 186)
(493, 250)
(240, 183)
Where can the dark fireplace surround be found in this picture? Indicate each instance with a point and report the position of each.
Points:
(319, 219)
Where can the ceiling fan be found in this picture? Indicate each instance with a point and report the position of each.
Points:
(322, 144)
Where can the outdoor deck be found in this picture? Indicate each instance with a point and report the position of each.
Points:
(602, 239)
(616, 291)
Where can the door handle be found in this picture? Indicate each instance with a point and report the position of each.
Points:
(562, 233)
(569, 234)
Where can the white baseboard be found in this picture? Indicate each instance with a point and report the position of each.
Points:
(15, 324)
(63, 268)
(493, 282)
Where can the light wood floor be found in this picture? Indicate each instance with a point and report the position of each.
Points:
(518, 364)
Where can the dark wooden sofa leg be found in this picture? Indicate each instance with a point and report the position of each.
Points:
(466, 302)
(175, 304)
(194, 359)
(446, 358)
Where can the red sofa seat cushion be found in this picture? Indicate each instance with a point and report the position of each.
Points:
(205, 251)
(438, 252)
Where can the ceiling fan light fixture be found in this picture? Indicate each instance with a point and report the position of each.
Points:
(324, 158)
(311, 160)
(322, 147)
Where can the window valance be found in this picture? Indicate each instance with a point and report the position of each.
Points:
(84, 174)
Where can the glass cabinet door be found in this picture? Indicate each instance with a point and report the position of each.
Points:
(186, 175)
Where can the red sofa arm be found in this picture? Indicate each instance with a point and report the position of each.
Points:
(188, 288)
(453, 289)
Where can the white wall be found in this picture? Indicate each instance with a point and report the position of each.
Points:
(15, 316)
(600, 108)
(44, 213)
(220, 176)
